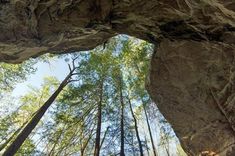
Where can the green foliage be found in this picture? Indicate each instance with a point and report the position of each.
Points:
(28, 148)
(11, 74)
(30, 103)
(69, 127)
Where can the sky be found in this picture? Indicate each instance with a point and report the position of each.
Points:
(57, 68)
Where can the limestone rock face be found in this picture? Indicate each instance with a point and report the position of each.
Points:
(192, 73)
(33, 27)
(30, 28)
(192, 84)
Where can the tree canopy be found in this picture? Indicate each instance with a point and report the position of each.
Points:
(104, 108)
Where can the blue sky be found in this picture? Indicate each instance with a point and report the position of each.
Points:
(56, 67)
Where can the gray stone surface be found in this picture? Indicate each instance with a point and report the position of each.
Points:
(192, 84)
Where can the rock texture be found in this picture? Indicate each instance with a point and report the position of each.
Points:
(193, 85)
(192, 72)
(33, 27)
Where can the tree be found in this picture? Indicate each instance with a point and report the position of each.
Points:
(137, 65)
(92, 74)
(105, 133)
(136, 129)
(11, 74)
(15, 121)
(96, 96)
(99, 120)
(3, 145)
(149, 129)
(19, 140)
(122, 150)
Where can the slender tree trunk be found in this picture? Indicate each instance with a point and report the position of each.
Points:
(82, 152)
(167, 151)
(2, 146)
(122, 152)
(166, 144)
(85, 145)
(16, 144)
(146, 142)
(56, 142)
(136, 129)
(99, 120)
(61, 148)
(104, 137)
(132, 147)
(150, 133)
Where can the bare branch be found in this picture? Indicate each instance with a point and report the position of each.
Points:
(72, 81)
(74, 62)
(75, 74)
(70, 68)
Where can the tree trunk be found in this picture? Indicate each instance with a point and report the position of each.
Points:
(105, 133)
(2, 146)
(150, 132)
(136, 130)
(16, 144)
(99, 121)
(85, 145)
(167, 151)
(132, 146)
(195, 43)
(146, 143)
(56, 142)
(122, 150)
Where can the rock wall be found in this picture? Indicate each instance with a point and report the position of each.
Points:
(193, 85)
(191, 77)
(30, 28)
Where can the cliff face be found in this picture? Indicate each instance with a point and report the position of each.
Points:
(192, 73)
(193, 85)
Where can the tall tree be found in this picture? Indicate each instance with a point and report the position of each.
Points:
(122, 150)
(146, 143)
(2, 146)
(136, 58)
(105, 133)
(29, 104)
(149, 129)
(136, 128)
(75, 121)
(19, 140)
(99, 120)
